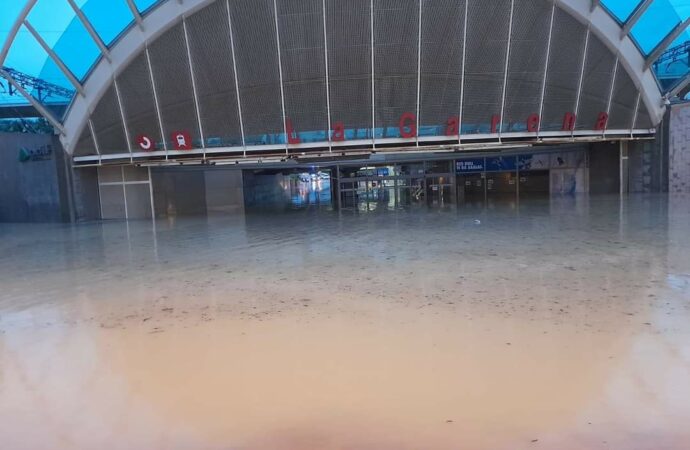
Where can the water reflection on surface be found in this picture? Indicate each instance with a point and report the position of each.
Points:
(557, 323)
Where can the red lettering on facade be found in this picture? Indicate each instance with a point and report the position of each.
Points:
(533, 123)
(408, 125)
(568, 122)
(453, 126)
(495, 122)
(602, 121)
(338, 132)
(292, 136)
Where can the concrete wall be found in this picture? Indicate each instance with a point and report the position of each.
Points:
(34, 187)
(679, 148)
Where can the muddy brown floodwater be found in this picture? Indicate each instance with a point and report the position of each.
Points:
(559, 324)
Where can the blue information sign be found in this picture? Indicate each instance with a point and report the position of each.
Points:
(470, 165)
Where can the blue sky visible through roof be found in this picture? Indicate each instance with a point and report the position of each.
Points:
(59, 26)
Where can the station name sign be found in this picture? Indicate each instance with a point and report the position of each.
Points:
(42, 153)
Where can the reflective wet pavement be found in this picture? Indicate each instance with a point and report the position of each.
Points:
(559, 324)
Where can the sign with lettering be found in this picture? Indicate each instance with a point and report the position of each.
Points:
(42, 153)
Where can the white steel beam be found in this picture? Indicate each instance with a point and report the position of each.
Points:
(505, 74)
(90, 29)
(462, 73)
(610, 100)
(419, 68)
(14, 29)
(546, 68)
(121, 109)
(135, 12)
(35, 103)
(196, 96)
(237, 83)
(665, 42)
(328, 87)
(373, 78)
(579, 85)
(156, 103)
(280, 73)
(56, 59)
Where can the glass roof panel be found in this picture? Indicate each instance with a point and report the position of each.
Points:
(108, 17)
(620, 9)
(659, 20)
(144, 5)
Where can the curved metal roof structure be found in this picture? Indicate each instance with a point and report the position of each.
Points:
(238, 76)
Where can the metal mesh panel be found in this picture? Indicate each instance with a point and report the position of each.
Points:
(441, 66)
(643, 121)
(596, 84)
(107, 124)
(487, 43)
(304, 67)
(348, 27)
(528, 48)
(256, 52)
(209, 44)
(565, 66)
(396, 31)
(138, 102)
(170, 67)
(623, 101)
(85, 145)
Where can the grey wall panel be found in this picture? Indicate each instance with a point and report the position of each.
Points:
(487, 44)
(623, 101)
(527, 61)
(348, 29)
(138, 201)
(85, 145)
(443, 24)
(138, 102)
(596, 83)
(396, 35)
(256, 52)
(565, 67)
(300, 23)
(112, 202)
(108, 126)
(211, 53)
(170, 66)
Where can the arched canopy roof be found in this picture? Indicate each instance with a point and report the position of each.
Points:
(111, 33)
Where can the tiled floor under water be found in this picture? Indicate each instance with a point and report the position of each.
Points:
(559, 324)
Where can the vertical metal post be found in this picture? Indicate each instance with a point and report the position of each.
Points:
(237, 83)
(462, 73)
(194, 92)
(419, 68)
(373, 82)
(546, 68)
(95, 141)
(634, 118)
(153, 208)
(328, 86)
(505, 74)
(280, 73)
(155, 101)
(122, 115)
(608, 105)
(124, 192)
(579, 86)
